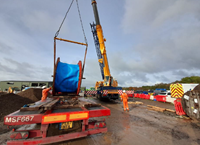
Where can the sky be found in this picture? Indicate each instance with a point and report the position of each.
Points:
(148, 41)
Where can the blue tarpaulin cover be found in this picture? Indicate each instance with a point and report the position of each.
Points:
(67, 77)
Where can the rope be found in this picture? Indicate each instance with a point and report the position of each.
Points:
(81, 22)
(64, 19)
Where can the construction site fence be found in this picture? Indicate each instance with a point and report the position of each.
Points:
(142, 96)
(92, 92)
(160, 98)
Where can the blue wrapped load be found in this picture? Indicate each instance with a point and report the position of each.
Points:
(67, 77)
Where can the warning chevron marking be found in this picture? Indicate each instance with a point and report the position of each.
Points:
(176, 90)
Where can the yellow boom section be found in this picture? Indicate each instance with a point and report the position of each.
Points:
(108, 79)
(103, 50)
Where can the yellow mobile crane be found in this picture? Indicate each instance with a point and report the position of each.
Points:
(108, 88)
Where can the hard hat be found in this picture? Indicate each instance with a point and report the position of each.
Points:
(124, 91)
(44, 87)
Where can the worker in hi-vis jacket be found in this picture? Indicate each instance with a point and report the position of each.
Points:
(124, 98)
(45, 93)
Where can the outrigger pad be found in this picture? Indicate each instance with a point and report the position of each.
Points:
(67, 77)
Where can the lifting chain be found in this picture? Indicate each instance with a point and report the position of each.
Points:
(57, 33)
(81, 22)
(64, 19)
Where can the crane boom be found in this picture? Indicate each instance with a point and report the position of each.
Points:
(103, 60)
(108, 88)
(96, 42)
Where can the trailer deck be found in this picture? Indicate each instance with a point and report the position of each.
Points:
(67, 121)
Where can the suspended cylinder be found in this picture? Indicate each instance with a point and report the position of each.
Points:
(68, 77)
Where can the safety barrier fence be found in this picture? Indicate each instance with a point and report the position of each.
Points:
(105, 92)
(163, 98)
(178, 107)
(160, 98)
(142, 96)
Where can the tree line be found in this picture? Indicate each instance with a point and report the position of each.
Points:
(192, 79)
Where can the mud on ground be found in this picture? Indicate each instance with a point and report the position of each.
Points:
(141, 126)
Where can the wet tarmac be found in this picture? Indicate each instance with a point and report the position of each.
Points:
(141, 126)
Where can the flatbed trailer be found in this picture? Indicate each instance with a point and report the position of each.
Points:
(52, 121)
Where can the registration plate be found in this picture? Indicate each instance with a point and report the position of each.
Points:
(66, 125)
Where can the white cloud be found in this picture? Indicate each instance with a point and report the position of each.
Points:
(140, 15)
(15, 70)
(160, 43)
(42, 21)
(168, 34)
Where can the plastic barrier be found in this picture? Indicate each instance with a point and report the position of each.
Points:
(136, 95)
(160, 98)
(170, 100)
(91, 92)
(147, 97)
(130, 95)
(151, 97)
(178, 107)
(142, 96)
